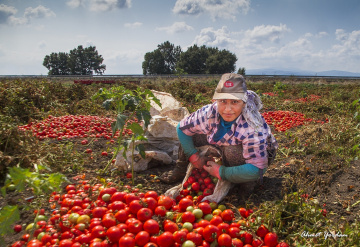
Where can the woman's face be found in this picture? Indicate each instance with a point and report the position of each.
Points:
(230, 109)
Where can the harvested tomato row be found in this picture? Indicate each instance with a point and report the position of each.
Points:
(284, 120)
(94, 216)
(73, 126)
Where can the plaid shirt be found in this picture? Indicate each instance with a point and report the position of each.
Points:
(255, 143)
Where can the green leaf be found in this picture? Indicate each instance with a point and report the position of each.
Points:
(144, 115)
(107, 103)
(141, 149)
(8, 216)
(136, 128)
(119, 123)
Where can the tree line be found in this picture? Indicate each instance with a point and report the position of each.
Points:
(166, 59)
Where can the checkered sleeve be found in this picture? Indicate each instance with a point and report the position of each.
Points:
(254, 149)
(197, 122)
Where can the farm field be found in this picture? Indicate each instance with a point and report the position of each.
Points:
(310, 195)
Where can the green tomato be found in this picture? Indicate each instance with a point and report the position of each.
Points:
(11, 187)
(188, 243)
(29, 227)
(190, 208)
(73, 217)
(198, 213)
(208, 217)
(188, 226)
(222, 207)
(41, 217)
(169, 215)
(106, 197)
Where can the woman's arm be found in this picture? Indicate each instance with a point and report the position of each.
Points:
(186, 141)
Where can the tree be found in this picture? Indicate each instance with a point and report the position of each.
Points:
(57, 63)
(163, 60)
(79, 61)
(241, 71)
(193, 61)
(207, 60)
(220, 62)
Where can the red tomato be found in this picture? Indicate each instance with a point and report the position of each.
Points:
(256, 242)
(135, 226)
(195, 237)
(151, 226)
(184, 203)
(151, 193)
(165, 201)
(224, 240)
(121, 215)
(227, 215)
(17, 228)
(188, 217)
(19, 244)
(247, 237)
(150, 203)
(98, 232)
(118, 196)
(271, 239)
(234, 232)
(99, 212)
(142, 238)
(160, 210)
(166, 239)
(216, 220)
(205, 207)
(144, 214)
(237, 242)
(224, 227)
(211, 233)
(108, 220)
(135, 206)
(262, 231)
(171, 226)
(65, 243)
(127, 241)
(180, 237)
(242, 212)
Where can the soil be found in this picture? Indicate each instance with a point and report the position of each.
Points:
(338, 189)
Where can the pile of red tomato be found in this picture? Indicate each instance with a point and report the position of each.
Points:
(73, 126)
(107, 217)
(199, 184)
(284, 120)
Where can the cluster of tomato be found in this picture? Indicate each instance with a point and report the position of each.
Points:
(199, 184)
(88, 82)
(73, 126)
(91, 215)
(270, 94)
(284, 120)
(310, 98)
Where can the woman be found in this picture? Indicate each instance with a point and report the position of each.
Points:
(234, 125)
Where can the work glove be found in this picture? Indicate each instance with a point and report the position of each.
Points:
(199, 160)
(213, 169)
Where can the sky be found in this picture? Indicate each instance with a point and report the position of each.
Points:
(310, 35)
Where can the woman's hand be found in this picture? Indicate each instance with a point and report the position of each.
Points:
(212, 168)
(199, 160)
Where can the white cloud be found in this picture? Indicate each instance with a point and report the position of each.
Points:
(177, 27)
(217, 38)
(349, 44)
(75, 3)
(260, 34)
(321, 34)
(29, 14)
(227, 9)
(6, 12)
(133, 25)
(99, 5)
